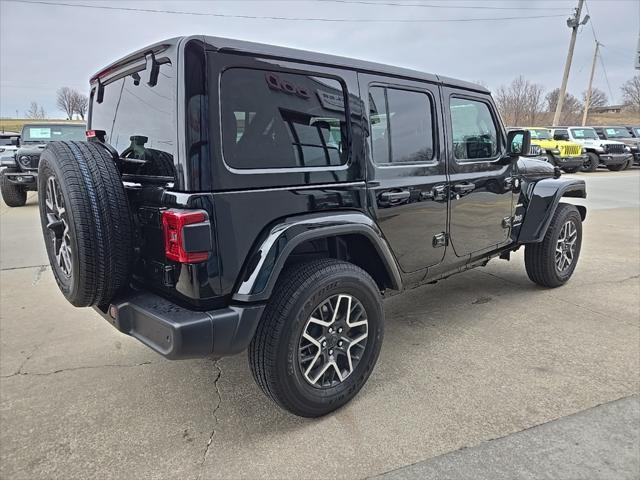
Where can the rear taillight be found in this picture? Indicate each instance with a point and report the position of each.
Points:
(187, 235)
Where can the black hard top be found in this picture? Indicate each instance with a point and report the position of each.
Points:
(264, 50)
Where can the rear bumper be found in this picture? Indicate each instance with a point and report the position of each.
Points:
(177, 332)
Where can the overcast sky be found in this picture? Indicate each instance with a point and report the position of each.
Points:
(44, 47)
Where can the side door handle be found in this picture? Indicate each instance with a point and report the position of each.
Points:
(464, 188)
(437, 193)
(395, 196)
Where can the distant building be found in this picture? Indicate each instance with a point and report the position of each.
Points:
(607, 109)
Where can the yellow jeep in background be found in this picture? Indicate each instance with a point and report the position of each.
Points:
(569, 156)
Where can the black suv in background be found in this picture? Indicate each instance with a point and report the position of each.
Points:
(21, 172)
(236, 196)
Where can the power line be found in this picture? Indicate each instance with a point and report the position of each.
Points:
(429, 5)
(606, 77)
(297, 19)
(604, 69)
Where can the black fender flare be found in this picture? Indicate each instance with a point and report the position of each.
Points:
(269, 254)
(542, 199)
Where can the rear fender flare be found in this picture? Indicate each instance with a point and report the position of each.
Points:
(267, 258)
(542, 199)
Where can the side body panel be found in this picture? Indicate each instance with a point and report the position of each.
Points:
(249, 201)
(408, 200)
(481, 191)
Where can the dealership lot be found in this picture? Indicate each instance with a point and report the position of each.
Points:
(478, 357)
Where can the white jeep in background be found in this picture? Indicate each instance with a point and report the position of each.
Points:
(611, 154)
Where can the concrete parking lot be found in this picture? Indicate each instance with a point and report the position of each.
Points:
(478, 375)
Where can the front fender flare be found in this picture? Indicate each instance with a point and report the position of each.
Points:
(267, 258)
(542, 199)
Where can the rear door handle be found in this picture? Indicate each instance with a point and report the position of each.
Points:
(463, 188)
(395, 196)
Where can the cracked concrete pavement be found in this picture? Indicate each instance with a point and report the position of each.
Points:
(483, 355)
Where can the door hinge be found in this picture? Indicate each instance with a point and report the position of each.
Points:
(440, 240)
(507, 222)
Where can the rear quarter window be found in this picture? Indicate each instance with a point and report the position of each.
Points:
(282, 120)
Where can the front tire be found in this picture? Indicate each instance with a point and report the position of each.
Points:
(551, 262)
(319, 337)
(591, 165)
(12, 194)
(571, 169)
(617, 168)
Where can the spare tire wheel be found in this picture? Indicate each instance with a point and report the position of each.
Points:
(86, 222)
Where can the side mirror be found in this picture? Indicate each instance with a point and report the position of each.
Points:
(518, 142)
(15, 141)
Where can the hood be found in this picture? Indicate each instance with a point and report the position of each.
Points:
(632, 142)
(532, 168)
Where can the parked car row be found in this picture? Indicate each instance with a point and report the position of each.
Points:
(573, 148)
(21, 156)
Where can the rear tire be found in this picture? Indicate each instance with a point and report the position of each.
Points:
(551, 262)
(12, 194)
(294, 342)
(86, 222)
(592, 163)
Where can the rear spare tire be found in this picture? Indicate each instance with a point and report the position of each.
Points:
(86, 222)
(12, 194)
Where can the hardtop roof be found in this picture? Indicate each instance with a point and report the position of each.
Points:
(260, 49)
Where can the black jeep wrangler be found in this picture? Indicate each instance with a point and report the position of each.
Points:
(21, 172)
(236, 196)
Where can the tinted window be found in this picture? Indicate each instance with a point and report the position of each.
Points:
(561, 135)
(139, 119)
(474, 131)
(282, 120)
(401, 125)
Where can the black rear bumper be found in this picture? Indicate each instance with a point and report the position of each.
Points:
(177, 332)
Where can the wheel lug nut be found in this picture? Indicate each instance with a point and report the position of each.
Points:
(340, 343)
(330, 330)
(340, 330)
(330, 352)
(324, 343)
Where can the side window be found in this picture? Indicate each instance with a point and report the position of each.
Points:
(401, 125)
(474, 132)
(561, 135)
(282, 120)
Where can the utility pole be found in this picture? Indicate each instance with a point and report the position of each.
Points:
(573, 23)
(588, 99)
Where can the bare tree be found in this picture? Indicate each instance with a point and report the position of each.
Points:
(65, 100)
(571, 108)
(520, 103)
(631, 93)
(598, 98)
(80, 104)
(35, 112)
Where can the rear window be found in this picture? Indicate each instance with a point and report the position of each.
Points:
(282, 120)
(50, 133)
(138, 118)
